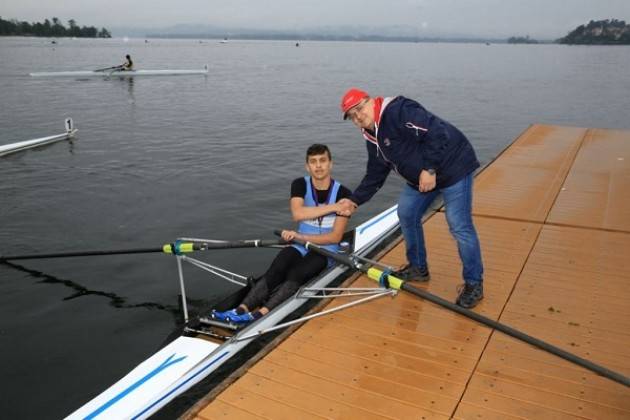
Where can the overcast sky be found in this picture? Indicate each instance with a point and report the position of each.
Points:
(543, 19)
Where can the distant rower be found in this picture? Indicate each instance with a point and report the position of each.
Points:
(128, 64)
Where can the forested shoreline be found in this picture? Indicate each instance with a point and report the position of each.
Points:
(50, 28)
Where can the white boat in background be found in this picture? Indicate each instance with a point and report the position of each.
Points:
(118, 73)
(29, 144)
(204, 348)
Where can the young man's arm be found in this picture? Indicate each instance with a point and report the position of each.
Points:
(339, 227)
(301, 212)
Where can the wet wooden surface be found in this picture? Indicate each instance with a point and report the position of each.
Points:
(557, 267)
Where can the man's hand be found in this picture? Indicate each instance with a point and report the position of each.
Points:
(347, 207)
(426, 182)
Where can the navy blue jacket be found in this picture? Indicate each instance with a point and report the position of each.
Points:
(409, 139)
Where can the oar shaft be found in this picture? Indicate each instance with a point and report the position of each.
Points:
(180, 247)
(543, 345)
(79, 254)
(397, 283)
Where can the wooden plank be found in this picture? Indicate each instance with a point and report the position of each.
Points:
(261, 406)
(466, 411)
(595, 194)
(550, 400)
(465, 344)
(384, 387)
(379, 344)
(426, 379)
(408, 363)
(222, 410)
(523, 183)
(341, 392)
(543, 382)
(304, 399)
(513, 406)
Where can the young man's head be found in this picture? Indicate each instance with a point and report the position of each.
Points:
(318, 161)
(358, 107)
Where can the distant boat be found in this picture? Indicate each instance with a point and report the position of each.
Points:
(29, 144)
(117, 72)
(224, 41)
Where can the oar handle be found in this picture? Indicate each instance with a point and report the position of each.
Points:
(342, 259)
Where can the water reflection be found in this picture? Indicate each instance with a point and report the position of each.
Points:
(114, 300)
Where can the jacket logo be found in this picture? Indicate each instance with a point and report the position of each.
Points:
(418, 129)
(387, 142)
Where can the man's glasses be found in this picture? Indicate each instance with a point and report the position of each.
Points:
(354, 112)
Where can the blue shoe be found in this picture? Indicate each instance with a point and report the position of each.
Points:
(245, 318)
(223, 316)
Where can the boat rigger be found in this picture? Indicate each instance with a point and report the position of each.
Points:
(117, 72)
(29, 144)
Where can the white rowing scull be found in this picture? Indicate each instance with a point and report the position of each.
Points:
(189, 359)
(29, 144)
(118, 73)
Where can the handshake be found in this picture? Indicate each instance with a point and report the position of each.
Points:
(345, 207)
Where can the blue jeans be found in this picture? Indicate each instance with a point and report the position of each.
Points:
(458, 200)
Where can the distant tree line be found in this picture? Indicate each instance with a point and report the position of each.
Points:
(600, 32)
(47, 28)
(521, 40)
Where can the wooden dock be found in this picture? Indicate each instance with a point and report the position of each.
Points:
(553, 216)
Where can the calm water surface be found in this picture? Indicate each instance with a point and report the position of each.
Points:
(212, 157)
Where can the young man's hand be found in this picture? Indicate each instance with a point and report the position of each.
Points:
(346, 207)
(289, 235)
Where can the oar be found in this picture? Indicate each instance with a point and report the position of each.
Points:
(388, 280)
(108, 68)
(178, 247)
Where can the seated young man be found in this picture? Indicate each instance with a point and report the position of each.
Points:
(314, 205)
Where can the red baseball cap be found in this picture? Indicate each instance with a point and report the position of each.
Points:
(351, 99)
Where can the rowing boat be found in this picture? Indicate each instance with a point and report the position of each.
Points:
(205, 345)
(29, 144)
(118, 73)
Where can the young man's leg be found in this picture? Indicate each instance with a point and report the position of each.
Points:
(411, 206)
(259, 293)
(310, 265)
(275, 275)
(458, 201)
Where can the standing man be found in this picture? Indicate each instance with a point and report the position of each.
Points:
(432, 156)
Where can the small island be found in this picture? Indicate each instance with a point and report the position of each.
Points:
(47, 28)
(521, 40)
(600, 32)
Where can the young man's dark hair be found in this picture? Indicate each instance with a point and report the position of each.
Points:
(318, 149)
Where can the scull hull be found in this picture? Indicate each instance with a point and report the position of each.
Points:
(130, 73)
(29, 144)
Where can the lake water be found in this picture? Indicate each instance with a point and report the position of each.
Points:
(212, 157)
